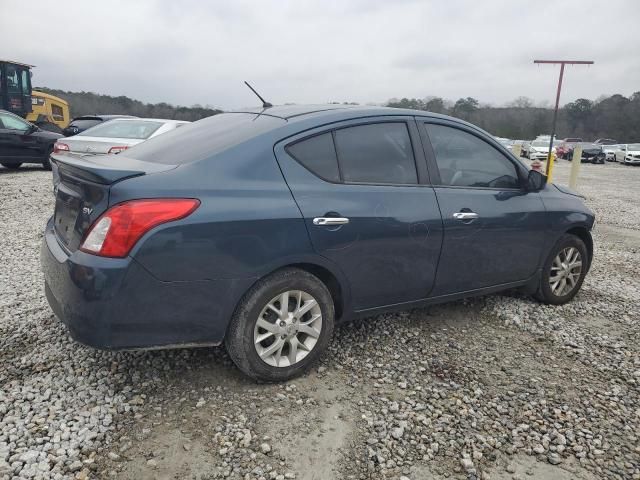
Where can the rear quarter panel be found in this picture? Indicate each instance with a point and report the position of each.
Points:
(246, 226)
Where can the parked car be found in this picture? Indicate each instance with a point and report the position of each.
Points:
(566, 146)
(539, 150)
(591, 153)
(605, 141)
(22, 142)
(262, 230)
(610, 152)
(116, 135)
(80, 124)
(628, 154)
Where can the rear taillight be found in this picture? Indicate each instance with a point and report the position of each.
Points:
(118, 229)
(118, 149)
(60, 147)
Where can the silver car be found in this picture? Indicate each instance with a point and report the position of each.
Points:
(116, 135)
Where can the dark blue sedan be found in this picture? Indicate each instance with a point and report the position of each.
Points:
(262, 229)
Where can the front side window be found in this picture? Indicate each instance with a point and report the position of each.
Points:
(376, 153)
(12, 122)
(465, 160)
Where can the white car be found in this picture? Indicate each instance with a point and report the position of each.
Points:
(539, 149)
(610, 152)
(629, 154)
(115, 136)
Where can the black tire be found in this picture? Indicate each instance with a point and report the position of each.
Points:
(239, 340)
(11, 166)
(544, 293)
(46, 162)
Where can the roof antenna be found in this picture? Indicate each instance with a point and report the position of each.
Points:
(265, 104)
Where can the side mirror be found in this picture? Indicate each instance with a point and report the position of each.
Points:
(535, 181)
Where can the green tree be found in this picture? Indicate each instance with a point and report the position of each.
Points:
(465, 107)
(434, 104)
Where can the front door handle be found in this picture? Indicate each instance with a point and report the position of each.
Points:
(465, 216)
(330, 221)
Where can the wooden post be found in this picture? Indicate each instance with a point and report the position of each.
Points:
(576, 161)
(516, 150)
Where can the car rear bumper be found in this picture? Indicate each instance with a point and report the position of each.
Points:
(113, 303)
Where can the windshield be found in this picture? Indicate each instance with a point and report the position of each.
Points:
(540, 143)
(133, 129)
(633, 146)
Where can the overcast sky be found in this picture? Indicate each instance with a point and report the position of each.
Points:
(191, 51)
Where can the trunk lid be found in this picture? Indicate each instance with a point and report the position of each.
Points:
(82, 185)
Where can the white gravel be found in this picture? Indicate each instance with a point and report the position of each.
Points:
(465, 390)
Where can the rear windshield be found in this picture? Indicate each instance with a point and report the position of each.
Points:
(203, 138)
(83, 124)
(134, 129)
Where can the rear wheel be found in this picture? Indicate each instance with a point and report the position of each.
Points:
(46, 162)
(11, 166)
(564, 271)
(282, 325)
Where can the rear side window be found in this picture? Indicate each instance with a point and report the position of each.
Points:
(318, 155)
(376, 153)
(83, 124)
(465, 160)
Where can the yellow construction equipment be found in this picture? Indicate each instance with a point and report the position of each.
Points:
(16, 96)
(50, 109)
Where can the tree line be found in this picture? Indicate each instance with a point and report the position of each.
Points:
(89, 103)
(614, 116)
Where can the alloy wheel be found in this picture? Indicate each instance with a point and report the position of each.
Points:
(287, 328)
(566, 269)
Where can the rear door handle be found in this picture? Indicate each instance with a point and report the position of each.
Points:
(465, 216)
(330, 221)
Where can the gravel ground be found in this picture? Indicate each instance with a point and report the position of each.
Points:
(498, 387)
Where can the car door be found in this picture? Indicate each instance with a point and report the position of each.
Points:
(493, 228)
(363, 191)
(16, 141)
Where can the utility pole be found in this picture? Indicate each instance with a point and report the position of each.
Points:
(555, 111)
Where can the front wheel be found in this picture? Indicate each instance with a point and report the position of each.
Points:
(46, 162)
(281, 326)
(564, 271)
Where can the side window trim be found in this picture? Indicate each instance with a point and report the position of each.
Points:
(412, 130)
(434, 172)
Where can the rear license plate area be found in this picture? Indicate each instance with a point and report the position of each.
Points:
(66, 213)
